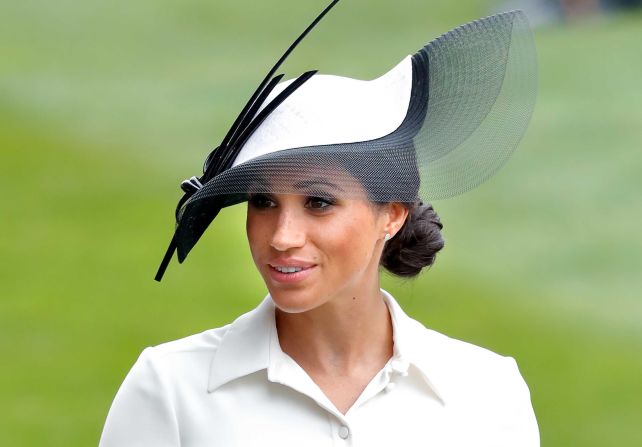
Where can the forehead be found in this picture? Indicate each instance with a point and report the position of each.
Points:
(328, 179)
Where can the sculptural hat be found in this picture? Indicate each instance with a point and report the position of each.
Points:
(437, 124)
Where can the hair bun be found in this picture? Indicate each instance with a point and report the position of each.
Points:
(416, 244)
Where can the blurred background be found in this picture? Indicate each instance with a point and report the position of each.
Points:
(105, 107)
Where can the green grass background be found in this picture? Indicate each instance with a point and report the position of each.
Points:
(106, 106)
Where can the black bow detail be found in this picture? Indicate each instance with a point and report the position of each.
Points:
(191, 185)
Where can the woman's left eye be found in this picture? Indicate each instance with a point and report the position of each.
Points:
(319, 203)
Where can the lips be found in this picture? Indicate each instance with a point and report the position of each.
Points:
(290, 262)
(290, 270)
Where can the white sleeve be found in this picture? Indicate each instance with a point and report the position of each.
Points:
(519, 425)
(142, 414)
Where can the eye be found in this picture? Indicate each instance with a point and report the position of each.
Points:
(260, 201)
(319, 203)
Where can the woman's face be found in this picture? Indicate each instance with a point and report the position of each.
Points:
(313, 247)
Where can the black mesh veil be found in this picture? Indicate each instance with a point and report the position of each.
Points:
(472, 94)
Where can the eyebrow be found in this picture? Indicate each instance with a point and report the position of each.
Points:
(308, 183)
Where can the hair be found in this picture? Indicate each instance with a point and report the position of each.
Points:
(416, 244)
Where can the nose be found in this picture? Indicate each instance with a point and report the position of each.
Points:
(289, 231)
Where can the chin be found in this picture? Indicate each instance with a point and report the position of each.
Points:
(294, 300)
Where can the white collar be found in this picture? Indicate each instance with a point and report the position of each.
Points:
(251, 344)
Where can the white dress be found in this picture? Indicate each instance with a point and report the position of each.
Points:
(234, 386)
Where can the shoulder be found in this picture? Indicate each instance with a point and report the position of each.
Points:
(480, 383)
(188, 362)
(189, 355)
(206, 341)
(458, 353)
(465, 369)
(177, 364)
(144, 409)
(452, 364)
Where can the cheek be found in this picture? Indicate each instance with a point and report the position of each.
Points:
(347, 242)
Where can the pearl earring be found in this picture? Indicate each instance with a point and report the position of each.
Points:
(387, 237)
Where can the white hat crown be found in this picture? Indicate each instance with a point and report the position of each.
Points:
(331, 109)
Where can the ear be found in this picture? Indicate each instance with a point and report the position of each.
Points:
(396, 214)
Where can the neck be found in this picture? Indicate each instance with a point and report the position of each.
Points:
(351, 331)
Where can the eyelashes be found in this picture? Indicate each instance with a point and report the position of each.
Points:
(314, 202)
(325, 202)
(260, 201)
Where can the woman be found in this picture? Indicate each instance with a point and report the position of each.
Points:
(333, 170)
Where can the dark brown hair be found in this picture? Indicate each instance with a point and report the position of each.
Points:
(416, 244)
